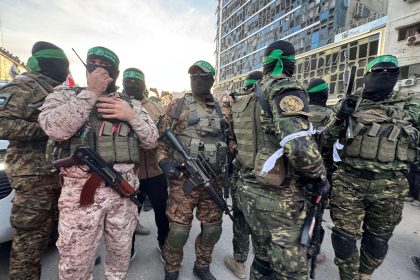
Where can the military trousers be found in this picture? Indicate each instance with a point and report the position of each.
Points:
(276, 217)
(374, 205)
(81, 229)
(34, 215)
(179, 210)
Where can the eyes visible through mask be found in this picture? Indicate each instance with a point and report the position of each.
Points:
(203, 76)
(385, 69)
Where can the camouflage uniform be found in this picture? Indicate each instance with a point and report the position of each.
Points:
(180, 204)
(81, 228)
(275, 209)
(369, 185)
(34, 210)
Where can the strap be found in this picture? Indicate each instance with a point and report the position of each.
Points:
(337, 147)
(89, 188)
(263, 103)
(222, 119)
(271, 161)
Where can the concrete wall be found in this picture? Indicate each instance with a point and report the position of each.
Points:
(401, 14)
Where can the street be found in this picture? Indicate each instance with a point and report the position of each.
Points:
(148, 266)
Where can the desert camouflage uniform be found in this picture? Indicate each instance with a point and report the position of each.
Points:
(181, 205)
(276, 213)
(34, 211)
(369, 193)
(81, 228)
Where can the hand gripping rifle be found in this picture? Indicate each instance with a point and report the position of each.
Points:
(199, 172)
(101, 171)
(313, 233)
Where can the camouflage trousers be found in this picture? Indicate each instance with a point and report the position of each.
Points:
(276, 217)
(82, 228)
(241, 230)
(375, 204)
(180, 211)
(34, 215)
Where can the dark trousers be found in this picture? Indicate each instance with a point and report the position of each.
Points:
(156, 188)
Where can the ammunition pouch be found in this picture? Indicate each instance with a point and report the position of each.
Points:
(276, 175)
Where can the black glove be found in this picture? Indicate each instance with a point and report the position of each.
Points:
(318, 186)
(170, 168)
(348, 105)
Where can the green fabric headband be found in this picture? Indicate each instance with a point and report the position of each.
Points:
(318, 88)
(47, 53)
(250, 82)
(205, 66)
(104, 52)
(380, 59)
(133, 74)
(277, 55)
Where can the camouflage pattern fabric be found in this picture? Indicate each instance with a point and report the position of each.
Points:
(181, 205)
(34, 216)
(35, 201)
(276, 217)
(377, 204)
(374, 205)
(111, 216)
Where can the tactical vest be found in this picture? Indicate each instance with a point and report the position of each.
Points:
(382, 137)
(114, 140)
(204, 134)
(268, 142)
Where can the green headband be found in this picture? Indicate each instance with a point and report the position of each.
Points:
(47, 53)
(205, 66)
(104, 52)
(133, 74)
(250, 82)
(318, 88)
(277, 55)
(380, 59)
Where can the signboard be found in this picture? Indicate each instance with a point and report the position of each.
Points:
(360, 29)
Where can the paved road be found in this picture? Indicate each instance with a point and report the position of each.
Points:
(147, 264)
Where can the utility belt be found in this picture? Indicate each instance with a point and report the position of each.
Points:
(370, 175)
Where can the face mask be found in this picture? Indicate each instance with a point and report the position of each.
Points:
(319, 98)
(201, 84)
(112, 72)
(56, 69)
(378, 86)
(135, 90)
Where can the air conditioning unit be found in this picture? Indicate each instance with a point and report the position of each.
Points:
(408, 82)
(413, 40)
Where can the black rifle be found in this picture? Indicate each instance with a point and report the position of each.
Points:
(350, 82)
(199, 172)
(97, 165)
(313, 233)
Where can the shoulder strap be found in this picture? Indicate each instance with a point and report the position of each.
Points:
(222, 119)
(263, 103)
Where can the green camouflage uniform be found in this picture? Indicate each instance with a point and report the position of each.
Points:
(369, 185)
(275, 210)
(34, 210)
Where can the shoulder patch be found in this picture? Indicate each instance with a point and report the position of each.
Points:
(291, 103)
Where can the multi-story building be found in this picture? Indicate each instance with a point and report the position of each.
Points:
(9, 66)
(246, 27)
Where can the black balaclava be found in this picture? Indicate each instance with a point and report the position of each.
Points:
(109, 56)
(202, 79)
(318, 92)
(49, 60)
(250, 81)
(133, 83)
(379, 85)
(288, 60)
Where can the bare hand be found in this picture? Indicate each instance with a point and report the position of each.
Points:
(98, 81)
(115, 108)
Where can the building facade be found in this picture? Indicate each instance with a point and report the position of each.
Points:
(10, 65)
(246, 27)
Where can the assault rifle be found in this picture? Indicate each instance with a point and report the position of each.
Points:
(199, 172)
(101, 171)
(350, 82)
(313, 233)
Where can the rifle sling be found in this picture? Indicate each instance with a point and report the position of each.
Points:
(263, 103)
(89, 188)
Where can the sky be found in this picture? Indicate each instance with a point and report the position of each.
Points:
(160, 37)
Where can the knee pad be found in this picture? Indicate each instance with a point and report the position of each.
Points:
(375, 245)
(344, 244)
(211, 233)
(262, 267)
(178, 235)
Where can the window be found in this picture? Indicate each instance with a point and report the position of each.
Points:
(406, 32)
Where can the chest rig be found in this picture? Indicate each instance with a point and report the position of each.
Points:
(114, 140)
(204, 133)
(382, 134)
